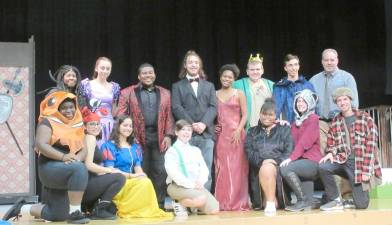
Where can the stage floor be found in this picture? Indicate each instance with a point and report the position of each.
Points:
(378, 213)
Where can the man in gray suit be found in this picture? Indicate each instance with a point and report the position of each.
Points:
(194, 100)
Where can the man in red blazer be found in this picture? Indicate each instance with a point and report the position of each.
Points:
(149, 106)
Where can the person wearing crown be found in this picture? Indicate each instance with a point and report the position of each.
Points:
(194, 100)
(149, 106)
(256, 90)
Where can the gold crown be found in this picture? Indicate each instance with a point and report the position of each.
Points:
(256, 58)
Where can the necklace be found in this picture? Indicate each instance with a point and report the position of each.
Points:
(130, 155)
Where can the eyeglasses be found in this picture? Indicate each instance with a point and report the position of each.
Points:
(94, 123)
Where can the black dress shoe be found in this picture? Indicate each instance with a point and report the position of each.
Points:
(14, 211)
(256, 208)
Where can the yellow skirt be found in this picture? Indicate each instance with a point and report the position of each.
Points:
(137, 199)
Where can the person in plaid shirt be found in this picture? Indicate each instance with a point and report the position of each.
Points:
(352, 152)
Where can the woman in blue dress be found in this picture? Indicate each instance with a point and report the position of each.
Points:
(137, 198)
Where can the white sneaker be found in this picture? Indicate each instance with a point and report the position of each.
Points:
(270, 209)
(179, 210)
(334, 205)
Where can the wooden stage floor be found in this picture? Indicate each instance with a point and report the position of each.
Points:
(378, 213)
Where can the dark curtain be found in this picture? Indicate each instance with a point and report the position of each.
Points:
(388, 25)
(223, 31)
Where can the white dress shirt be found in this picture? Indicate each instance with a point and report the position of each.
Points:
(194, 84)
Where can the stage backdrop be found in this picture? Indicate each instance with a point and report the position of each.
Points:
(17, 121)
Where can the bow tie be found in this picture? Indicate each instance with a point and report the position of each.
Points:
(193, 80)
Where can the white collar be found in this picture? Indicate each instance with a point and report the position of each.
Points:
(180, 143)
(192, 77)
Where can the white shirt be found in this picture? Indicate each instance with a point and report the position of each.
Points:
(194, 164)
(194, 85)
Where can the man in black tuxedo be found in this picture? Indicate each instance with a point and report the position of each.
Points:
(194, 100)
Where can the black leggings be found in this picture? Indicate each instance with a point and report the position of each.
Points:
(103, 187)
(305, 169)
(59, 178)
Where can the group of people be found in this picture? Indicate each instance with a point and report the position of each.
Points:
(256, 138)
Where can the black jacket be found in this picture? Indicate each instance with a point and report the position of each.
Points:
(277, 146)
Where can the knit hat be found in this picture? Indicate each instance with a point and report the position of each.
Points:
(311, 101)
(342, 91)
(89, 116)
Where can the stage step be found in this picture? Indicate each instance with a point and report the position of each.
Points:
(379, 213)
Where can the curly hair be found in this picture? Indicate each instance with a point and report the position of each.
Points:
(231, 67)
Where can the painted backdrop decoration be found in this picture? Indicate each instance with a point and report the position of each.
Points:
(14, 129)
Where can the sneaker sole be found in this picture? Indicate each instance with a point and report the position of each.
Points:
(18, 204)
(333, 209)
(308, 208)
(81, 221)
(103, 218)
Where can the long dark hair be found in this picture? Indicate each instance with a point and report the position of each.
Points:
(183, 72)
(115, 135)
(59, 75)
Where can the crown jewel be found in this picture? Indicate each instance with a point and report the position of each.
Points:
(256, 58)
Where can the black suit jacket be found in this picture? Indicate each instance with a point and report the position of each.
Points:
(185, 104)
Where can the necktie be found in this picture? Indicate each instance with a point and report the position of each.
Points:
(193, 80)
(326, 98)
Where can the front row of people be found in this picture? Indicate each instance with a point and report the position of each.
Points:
(66, 137)
(70, 185)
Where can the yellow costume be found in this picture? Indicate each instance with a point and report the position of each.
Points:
(137, 199)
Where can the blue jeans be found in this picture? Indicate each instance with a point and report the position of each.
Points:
(58, 178)
(206, 146)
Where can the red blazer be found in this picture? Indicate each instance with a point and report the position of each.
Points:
(129, 104)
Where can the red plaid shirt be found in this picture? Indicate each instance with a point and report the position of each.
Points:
(363, 137)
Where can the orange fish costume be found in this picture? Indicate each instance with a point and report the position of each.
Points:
(67, 132)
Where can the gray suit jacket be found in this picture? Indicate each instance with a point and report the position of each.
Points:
(185, 104)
